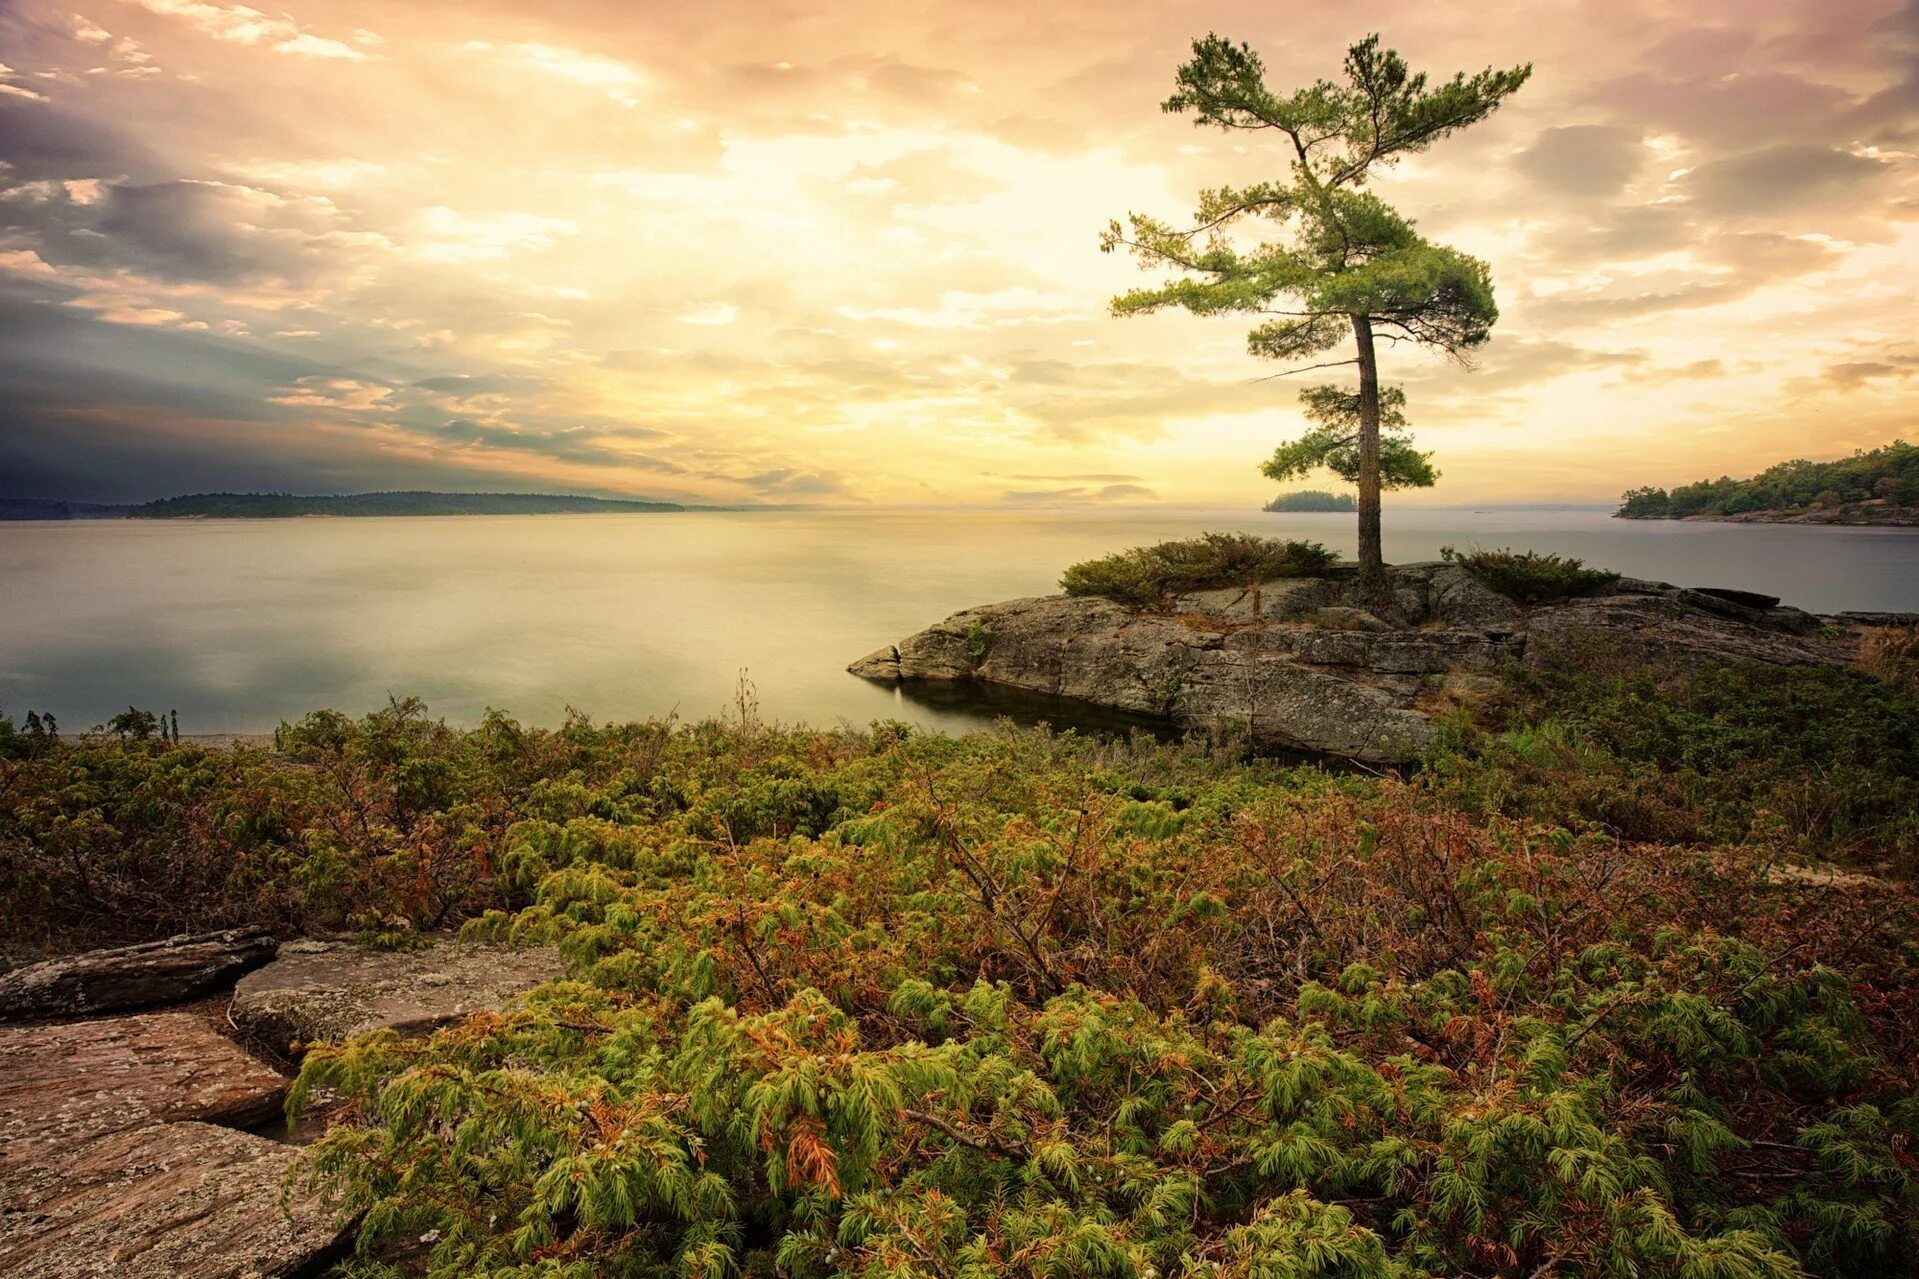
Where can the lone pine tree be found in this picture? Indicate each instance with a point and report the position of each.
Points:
(1345, 265)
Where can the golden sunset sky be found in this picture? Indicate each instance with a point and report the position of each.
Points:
(753, 251)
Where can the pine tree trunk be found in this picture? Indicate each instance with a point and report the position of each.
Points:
(1372, 563)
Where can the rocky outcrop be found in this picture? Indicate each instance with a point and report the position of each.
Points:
(119, 1156)
(133, 977)
(332, 990)
(1299, 664)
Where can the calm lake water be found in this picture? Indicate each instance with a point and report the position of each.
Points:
(241, 623)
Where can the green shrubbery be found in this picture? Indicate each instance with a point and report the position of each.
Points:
(1531, 577)
(1889, 474)
(889, 1004)
(1152, 576)
(1031, 1006)
(1817, 760)
(1892, 653)
(1312, 500)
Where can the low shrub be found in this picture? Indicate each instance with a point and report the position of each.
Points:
(1892, 653)
(885, 1003)
(1531, 577)
(1150, 577)
(1013, 1013)
(1822, 761)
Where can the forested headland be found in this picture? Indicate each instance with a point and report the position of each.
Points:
(1872, 486)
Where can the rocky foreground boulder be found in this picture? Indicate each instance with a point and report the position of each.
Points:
(121, 1155)
(321, 990)
(129, 977)
(125, 1147)
(1299, 665)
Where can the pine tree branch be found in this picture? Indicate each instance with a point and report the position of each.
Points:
(1305, 368)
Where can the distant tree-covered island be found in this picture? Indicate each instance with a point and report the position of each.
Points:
(1312, 500)
(291, 505)
(1873, 486)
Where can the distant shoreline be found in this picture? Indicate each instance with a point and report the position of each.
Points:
(1867, 516)
(205, 506)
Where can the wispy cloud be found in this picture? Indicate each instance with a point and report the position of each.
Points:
(738, 252)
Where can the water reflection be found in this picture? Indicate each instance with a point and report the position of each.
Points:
(967, 700)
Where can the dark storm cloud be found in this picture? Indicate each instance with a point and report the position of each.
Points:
(202, 232)
(105, 412)
(180, 229)
(93, 410)
(1583, 159)
(1079, 493)
(578, 444)
(188, 371)
(1782, 178)
(792, 481)
(60, 445)
(481, 383)
(1068, 479)
(216, 233)
(41, 140)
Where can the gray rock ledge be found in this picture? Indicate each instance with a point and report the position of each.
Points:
(1300, 666)
(333, 990)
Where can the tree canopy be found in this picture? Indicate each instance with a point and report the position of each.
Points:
(1333, 443)
(1337, 261)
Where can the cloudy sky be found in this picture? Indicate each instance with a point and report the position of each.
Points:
(846, 250)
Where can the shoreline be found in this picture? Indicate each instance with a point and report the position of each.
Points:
(1903, 518)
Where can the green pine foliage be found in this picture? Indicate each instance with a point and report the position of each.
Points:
(1152, 577)
(881, 1003)
(1020, 1010)
(1333, 443)
(1316, 258)
(1531, 577)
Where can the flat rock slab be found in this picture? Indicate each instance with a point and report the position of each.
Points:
(133, 977)
(60, 1085)
(112, 1163)
(186, 1200)
(333, 990)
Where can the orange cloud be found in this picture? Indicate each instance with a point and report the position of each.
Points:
(847, 251)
